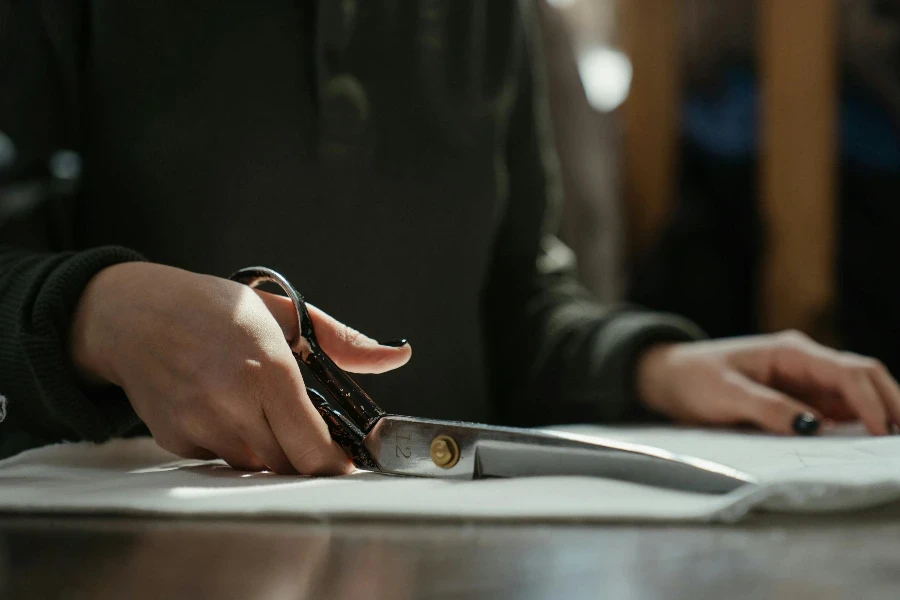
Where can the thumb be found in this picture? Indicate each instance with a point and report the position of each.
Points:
(352, 350)
(770, 409)
(348, 348)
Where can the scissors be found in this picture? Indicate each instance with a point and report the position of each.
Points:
(411, 446)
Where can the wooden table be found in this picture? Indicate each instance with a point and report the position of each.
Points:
(768, 556)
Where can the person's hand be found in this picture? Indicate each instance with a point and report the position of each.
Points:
(783, 383)
(205, 364)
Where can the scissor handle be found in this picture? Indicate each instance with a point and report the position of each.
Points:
(348, 428)
(256, 276)
(343, 431)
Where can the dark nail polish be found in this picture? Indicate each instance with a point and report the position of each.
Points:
(394, 343)
(806, 424)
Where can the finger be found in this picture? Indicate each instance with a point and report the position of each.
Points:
(770, 409)
(181, 447)
(199, 453)
(300, 431)
(283, 310)
(888, 389)
(207, 437)
(350, 349)
(832, 406)
(857, 390)
(862, 394)
(236, 453)
(802, 362)
(262, 441)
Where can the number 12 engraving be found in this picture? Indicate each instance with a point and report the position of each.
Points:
(400, 449)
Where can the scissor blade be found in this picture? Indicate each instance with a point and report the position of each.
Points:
(402, 446)
(648, 466)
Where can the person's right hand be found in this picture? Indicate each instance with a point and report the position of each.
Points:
(205, 364)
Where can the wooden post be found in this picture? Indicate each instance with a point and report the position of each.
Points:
(650, 37)
(798, 68)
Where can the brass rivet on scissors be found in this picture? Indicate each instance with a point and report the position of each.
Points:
(444, 451)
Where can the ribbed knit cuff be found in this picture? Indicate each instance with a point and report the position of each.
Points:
(93, 414)
(622, 342)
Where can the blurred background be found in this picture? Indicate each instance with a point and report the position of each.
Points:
(735, 161)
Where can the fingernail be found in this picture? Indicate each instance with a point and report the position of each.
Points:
(806, 424)
(394, 343)
(891, 427)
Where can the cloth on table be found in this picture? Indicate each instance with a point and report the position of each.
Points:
(843, 471)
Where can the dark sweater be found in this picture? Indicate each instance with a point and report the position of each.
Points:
(402, 147)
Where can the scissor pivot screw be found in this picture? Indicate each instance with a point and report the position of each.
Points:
(444, 451)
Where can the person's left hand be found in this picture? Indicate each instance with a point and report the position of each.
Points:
(783, 383)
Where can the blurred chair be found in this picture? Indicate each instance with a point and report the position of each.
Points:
(798, 67)
(796, 48)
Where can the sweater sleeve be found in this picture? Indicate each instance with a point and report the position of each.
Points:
(44, 401)
(555, 354)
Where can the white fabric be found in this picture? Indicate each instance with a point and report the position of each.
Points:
(828, 473)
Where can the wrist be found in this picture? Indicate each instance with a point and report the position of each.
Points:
(91, 339)
(650, 376)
